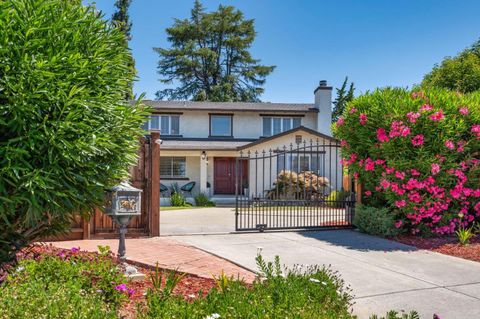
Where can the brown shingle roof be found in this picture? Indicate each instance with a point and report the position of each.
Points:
(231, 106)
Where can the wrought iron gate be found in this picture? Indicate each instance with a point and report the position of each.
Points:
(294, 187)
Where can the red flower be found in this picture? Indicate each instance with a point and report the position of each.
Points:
(437, 116)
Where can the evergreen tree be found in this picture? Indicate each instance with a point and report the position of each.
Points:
(344, 96)
(121, 20)
(460, 73)
(209, 58)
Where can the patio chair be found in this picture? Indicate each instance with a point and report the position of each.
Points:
(187, 188)
(163, 188)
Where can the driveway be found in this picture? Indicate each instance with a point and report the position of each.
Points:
(211, 220)
(383, 274)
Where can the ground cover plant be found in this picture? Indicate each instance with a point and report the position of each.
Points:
(417, 153)
(67, 132)
(301, 292)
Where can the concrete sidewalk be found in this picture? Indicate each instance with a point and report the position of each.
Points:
(209, 220)
(169, 254)
(383, 274)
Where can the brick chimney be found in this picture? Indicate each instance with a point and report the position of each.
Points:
(323, 103)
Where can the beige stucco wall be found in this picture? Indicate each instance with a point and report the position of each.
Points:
(245, 124)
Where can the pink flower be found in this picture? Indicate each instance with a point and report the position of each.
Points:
(476, 130)
(355, 175)
(418, 95)
(390, 170)
(130, 291)
(460, 145)
(449, 144)
(75, 250)
(397, 128)
(399, 175)
(353, 110)
(368, 193)
(343, 143)
(418, 140)
(413, 116)
(437, 116)
(400, 203)
(121, 287)
(61, 254)
(463, 110)
(382, 135)
(435, 168)
(369, 164)
(398, 224)
(425, 108)
(414, 172)
(363, 119)
(340, 121)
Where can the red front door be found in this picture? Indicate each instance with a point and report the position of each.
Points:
(224, 175)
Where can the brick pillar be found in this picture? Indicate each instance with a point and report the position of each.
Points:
(154, 184)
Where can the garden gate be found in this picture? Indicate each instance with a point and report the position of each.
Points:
(294, 187)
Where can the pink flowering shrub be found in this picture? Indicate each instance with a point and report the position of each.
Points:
(418, 154)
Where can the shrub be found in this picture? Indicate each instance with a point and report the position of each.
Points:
(178, 200)
(68, 285)
(66, 131)
(202, 200)
(292, 185)
(302, 292)
(375, 221)
(336, 198)
(416, 153)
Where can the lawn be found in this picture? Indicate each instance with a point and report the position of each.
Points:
(167, 208)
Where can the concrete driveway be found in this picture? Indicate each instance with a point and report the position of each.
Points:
(384, 275)
(211, 220)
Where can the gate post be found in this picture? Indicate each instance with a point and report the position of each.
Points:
(154, 184)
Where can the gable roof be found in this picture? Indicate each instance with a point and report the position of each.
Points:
(294, 130)
(231, 106)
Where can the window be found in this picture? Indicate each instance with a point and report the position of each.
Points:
(221, 125)
(167, 124)
(172, 167)
(298, 162)
(276, 125)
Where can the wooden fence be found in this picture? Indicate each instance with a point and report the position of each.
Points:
(146, 176)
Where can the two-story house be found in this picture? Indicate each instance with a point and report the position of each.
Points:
(202, 140)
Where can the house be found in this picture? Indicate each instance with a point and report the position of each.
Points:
(202, 142)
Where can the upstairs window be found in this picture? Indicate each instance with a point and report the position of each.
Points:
(221, 125)
(276, 125)
(167, 124)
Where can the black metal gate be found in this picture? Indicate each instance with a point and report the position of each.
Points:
(294, 187)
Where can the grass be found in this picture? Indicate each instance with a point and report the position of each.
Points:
(164, 208)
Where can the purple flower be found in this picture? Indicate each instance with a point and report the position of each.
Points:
(121, 287)
(61, 254)
(75, 250)
(130, 291)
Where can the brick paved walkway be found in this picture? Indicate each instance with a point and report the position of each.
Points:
(169, 254)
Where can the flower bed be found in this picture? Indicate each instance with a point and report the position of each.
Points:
(447, 245)
(418, 154)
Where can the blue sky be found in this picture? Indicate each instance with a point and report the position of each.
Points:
(375, 42)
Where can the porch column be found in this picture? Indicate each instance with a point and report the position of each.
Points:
(203, 173)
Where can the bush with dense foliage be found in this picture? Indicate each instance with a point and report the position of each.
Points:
(301, 292)
(375, 221)
(203, 200)
(66, 131)
(418, 154)
(69, 284)
(293, 185)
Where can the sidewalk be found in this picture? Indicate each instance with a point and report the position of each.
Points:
(169, 254)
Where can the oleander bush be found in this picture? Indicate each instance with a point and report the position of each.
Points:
(418, 154)
(302, 292)
(67, 132)
(69, 284)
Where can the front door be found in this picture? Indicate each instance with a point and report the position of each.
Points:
(224, 175)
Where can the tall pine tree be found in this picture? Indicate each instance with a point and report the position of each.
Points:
(344, 95)
(209, 58)
(121, 20)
